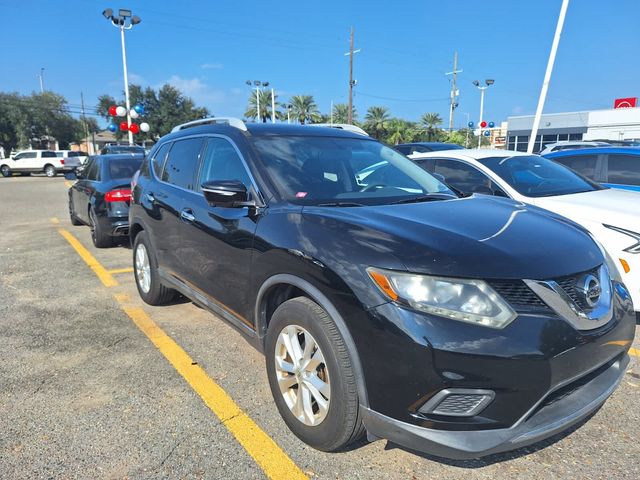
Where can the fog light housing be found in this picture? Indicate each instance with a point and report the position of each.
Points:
(458, 402)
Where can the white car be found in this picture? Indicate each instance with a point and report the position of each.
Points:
(33, 161)
(572, 145)
(611, 215)
(72, 158)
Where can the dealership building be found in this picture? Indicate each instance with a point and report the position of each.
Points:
(614, 124)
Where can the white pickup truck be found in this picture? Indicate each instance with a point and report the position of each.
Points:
(33, 161)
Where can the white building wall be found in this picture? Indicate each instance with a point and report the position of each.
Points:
(616, 124)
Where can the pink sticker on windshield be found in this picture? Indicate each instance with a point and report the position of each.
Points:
(301, 194)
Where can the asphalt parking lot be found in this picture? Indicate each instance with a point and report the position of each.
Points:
(96, 384)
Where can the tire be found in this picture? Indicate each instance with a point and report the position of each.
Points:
(99, 237)
(50, 171)
(74, 220)
(341, 423)
(5, 170)
(153, 293)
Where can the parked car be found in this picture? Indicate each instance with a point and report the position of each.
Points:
(100, 197)
(33, 161)
(422, 147)
(617, 167)
(72, 159)
(571, 145)
(610, 215)
(434, 321)
(621, 143)
(132, 149)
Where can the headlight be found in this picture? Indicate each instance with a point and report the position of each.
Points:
(471, 301)
(614, 271)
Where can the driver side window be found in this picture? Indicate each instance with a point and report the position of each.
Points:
(466, 178)
(222, 162)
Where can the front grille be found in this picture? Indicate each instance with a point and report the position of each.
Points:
(516, 293)
(459, 404)
(570, 285)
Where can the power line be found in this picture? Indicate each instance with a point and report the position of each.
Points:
(422, 100)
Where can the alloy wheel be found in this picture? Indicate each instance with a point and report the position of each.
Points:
(143, 268)
(5, 171)
(302, 374)
(50, 171)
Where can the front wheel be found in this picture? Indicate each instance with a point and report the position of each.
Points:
(5, 170)
(50, 171)
(311, 376)
(145, 269)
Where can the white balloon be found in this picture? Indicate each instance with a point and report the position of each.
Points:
(133, 113)
(144, 126)
(121, 111)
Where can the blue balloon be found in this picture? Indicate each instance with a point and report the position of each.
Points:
(487, 133)
(491, 124)
(112, 127)
(470, 124)
(139, 108)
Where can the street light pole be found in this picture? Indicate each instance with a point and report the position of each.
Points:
(488, 82)
(124, 21)
(273, 106)
(41, 80)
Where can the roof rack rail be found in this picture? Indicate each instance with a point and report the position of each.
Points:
(232, 121)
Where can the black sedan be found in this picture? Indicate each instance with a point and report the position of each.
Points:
(100, 196)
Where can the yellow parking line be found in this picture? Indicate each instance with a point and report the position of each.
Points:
(634, 351)
(55, 220)
(273, 461)
(68, 183)
(104, 276)
(120, 270)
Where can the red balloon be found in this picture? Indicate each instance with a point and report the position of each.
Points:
(124, 126)
(483, 124)
(112, 110)
(133, 128)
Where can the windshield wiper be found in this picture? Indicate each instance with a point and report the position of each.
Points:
(340, 204)
(425, 198)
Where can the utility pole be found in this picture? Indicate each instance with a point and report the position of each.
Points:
(84, 121)
(41, 76)
(273, 106)
(547, 77)
(454, 89)
(351, 80)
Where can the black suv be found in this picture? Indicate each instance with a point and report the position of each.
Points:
(382, 302)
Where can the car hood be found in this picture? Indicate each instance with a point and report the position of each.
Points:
(610, 206)
(476, 237)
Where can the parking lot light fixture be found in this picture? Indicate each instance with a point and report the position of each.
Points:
(125, 20)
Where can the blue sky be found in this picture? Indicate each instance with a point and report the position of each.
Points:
(210, 48)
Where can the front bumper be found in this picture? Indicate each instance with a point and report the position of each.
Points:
(543, 420)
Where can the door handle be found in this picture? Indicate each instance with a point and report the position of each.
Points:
(187, 216)
(149, 197)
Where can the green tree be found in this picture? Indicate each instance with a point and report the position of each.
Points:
(13, 118)
(376, 121)
(304, 109)
(400, 131)
(430, 123)
(265, 106)
(341, 113)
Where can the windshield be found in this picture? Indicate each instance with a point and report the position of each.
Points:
(536, 176)
(317, 170)
(122, 168)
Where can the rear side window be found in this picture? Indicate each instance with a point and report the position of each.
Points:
(222, 162)
(92, 170)
(624, 169)
(158, 159)
(585, 165)
(181, 165)
(48, 154)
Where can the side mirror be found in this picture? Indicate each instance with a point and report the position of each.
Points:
(71, 176)
(226, 193)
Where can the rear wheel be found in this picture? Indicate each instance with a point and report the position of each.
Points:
(50, 171)
(5, 170)
(99, 237)
(145, 269)
(311, 377)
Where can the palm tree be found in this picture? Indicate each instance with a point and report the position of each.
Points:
(265, 106)
(430, 122)
(304, 109)
(341, 113)
(400, 131)
(376, 121)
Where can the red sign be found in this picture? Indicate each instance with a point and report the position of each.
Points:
(630, 102)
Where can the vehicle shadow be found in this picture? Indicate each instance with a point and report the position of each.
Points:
(498, 457)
